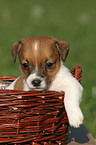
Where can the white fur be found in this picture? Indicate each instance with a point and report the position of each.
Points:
(36, 46)
(64, 81)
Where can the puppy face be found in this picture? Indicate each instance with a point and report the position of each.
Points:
(39, 60)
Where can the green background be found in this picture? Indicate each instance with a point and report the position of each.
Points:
(71, 20)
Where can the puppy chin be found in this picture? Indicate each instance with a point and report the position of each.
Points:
(37, 89)
(32, 88)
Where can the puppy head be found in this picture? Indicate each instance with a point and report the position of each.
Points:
(40, 60)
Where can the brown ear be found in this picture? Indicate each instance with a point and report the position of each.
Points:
(15, 49)
(63, 48)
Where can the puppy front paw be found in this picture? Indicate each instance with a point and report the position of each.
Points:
(75, 117)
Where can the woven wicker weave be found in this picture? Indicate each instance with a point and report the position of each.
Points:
(31, 118)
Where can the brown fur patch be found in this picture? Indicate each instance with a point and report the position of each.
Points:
(19, 84)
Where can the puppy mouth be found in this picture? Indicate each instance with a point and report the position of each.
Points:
(38, 89)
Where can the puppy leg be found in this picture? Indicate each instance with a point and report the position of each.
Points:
(64, 81)
(72, 100)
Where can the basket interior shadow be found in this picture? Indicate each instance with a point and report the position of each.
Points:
(33, 118)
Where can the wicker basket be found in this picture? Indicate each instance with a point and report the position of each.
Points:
(31, 118)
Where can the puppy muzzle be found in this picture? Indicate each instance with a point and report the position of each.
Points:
(36, 83)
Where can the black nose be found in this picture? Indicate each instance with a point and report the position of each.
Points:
(36, 82)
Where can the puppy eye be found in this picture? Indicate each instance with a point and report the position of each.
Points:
(25, 65)
(49, 65)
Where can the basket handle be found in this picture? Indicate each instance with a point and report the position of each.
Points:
(77, 72)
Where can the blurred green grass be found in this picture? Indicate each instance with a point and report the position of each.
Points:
(70, 20)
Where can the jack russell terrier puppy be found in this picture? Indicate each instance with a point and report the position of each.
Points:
(41, 63)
